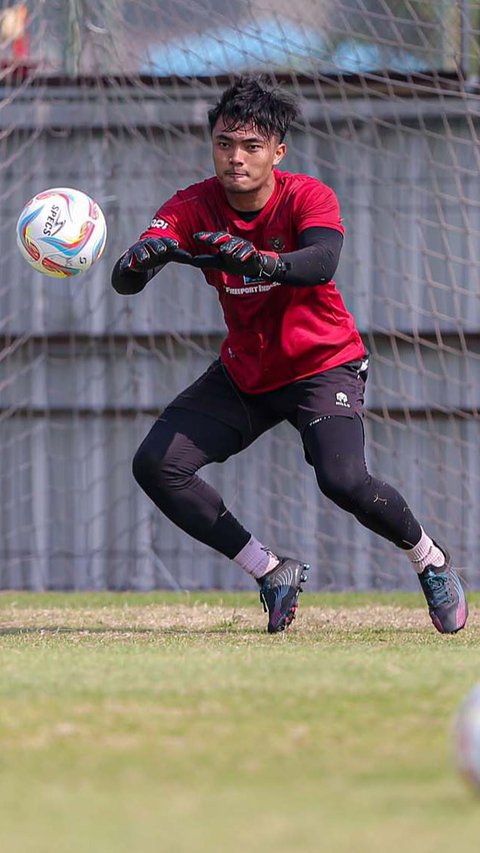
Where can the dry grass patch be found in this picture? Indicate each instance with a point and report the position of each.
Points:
(198, 618)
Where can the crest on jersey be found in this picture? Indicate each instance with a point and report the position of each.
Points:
(277, 244)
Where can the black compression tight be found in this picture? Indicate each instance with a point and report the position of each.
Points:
(335, 446)
(181, 442)
(165, 466)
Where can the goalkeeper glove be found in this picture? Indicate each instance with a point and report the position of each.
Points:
(240, 257)
(152, 252)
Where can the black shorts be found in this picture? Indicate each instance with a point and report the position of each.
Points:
(339, 391)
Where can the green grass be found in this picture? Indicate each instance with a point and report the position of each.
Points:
(164, 723)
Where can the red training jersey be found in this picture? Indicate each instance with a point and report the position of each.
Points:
(276, 333)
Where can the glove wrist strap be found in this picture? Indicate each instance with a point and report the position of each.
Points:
(272, 267)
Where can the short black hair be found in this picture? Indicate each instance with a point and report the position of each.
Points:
(251, 100)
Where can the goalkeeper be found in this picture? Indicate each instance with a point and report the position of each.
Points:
(269, 242)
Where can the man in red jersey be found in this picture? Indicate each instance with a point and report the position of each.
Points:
(269, 242)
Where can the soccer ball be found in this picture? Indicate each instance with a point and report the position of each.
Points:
(61, 232)
(467, 738)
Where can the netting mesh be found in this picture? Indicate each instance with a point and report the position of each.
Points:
(201, 38)
(111, 97)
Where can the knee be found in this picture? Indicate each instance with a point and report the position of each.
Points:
(344, 488)
(150, 465)
(165, 461)
(143, 463)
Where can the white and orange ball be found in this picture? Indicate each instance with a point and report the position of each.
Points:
(61, 232)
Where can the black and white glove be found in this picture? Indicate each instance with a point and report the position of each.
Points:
(240, 257)
(152, 252)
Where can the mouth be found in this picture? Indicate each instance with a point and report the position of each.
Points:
(236, 174)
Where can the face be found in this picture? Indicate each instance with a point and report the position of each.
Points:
(244, 160)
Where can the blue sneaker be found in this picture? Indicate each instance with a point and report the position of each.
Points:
(446, 600)
(279, 591)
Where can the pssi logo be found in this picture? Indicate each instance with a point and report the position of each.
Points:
(159, 223)
(277, 244)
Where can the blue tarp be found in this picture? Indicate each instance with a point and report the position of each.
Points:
(266, 45)
(354, 57)
(226, 50)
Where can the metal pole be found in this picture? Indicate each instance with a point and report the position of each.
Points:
(465, 38)
(73, 37)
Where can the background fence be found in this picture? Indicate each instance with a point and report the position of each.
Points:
(112, 98)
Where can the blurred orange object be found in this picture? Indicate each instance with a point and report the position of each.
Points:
(13, 30)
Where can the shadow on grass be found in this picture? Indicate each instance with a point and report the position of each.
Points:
(375, 636)
(172, 631)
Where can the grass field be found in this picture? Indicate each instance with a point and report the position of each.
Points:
(164, 723)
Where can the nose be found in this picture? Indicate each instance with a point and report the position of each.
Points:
(235, 156)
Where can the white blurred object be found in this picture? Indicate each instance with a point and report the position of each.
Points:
(467, 737)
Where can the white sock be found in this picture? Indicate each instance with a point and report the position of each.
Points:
(256, 559)
(425, 553)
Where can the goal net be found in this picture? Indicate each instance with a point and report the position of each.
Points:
(111, 97)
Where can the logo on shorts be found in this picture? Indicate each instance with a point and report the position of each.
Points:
(341, 399)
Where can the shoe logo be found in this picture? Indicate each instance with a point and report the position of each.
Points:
(341, 399)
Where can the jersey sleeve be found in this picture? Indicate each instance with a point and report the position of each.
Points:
(172, 220)
(317, 206)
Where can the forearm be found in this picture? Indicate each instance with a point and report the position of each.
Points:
(129, 282)
(315, 263)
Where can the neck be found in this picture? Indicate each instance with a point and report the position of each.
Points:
(254, 200)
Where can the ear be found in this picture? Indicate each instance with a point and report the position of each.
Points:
(279, 154)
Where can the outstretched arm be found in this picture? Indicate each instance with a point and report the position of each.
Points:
(313, 263)
(128, 282)
(143, 260)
